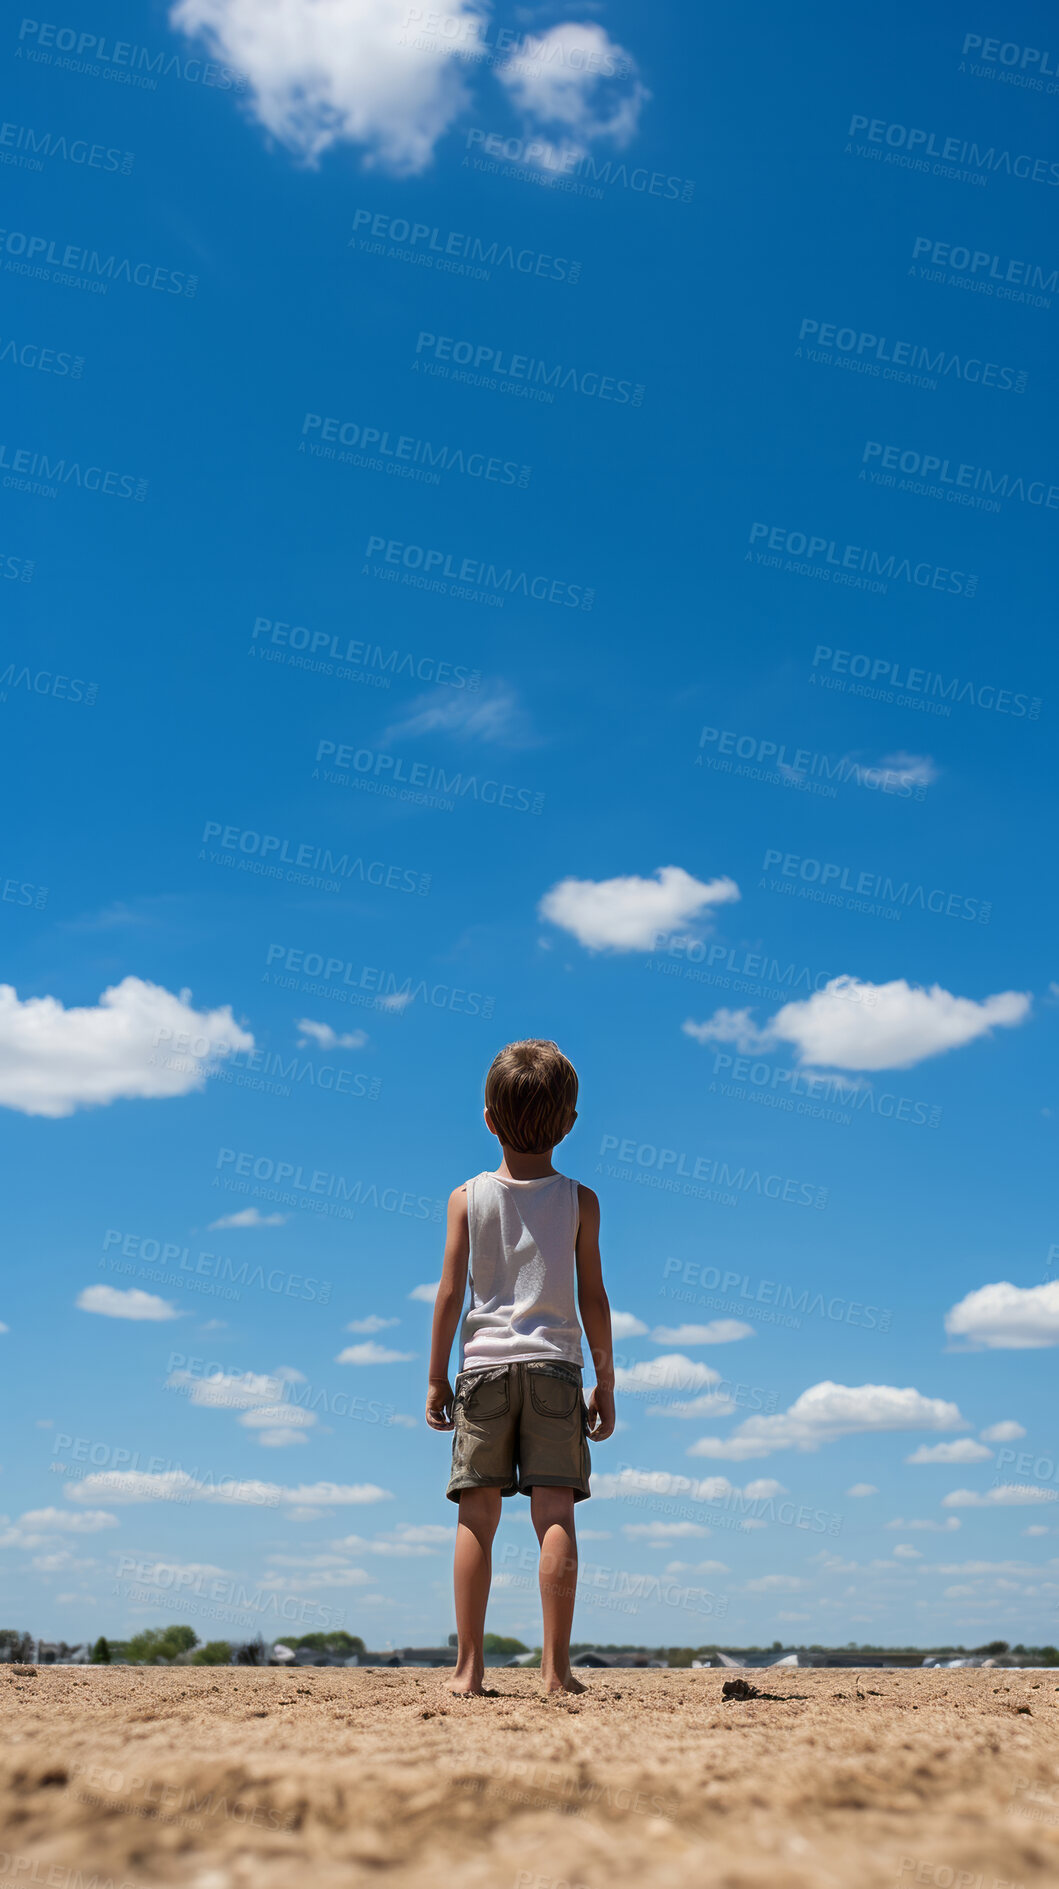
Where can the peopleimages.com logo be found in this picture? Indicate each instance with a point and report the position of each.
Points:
(827, 881)
(855, 565)
(474, 579)
(919, 144)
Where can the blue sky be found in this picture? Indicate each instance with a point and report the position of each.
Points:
(530, 522)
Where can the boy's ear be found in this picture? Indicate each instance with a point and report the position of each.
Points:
(491, 1125)
(569, 1125)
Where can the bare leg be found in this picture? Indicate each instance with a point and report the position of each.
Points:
(552, 1511)
(472, 1572)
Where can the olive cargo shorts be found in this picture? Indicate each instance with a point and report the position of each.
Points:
(520, 1426)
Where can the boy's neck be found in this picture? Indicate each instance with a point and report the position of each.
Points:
(525, 1167)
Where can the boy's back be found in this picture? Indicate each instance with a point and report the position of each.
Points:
(523, 1261)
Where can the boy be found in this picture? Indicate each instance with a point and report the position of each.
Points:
(519, 1417)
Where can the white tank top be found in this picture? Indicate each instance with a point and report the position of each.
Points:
(522, 1272)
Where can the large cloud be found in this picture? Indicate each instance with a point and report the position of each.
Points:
(827, 1411)
(851, 1024)
(1004, 1317)
(628, 914)
(53, 1060)
(323, 72)
(573, 76)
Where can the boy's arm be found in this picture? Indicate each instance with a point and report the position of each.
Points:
(447, 1308)
(594, 1307)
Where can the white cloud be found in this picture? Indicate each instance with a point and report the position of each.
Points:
(662, 1531)
(37, 1527)
(1006, 1432)
(628, 914)
(491, 714)
(426, 1293)
(124, 1486)
(324, 1577)
(712, 1404)
(827, 1411)
(327, 1038)
(697, 1567)
(917, 770)
(570, 79)
(907, 1553)
(54, 1060)
(280, 1422)
(775, 1584)
(372, 1323)
(851, 1024)
(862, 1488)
(428, 1534)
(323, 72)
(720, 1331)
(626, 1325)
(1036, 1528)
(1003, 1495)
(1004, 1317)
(60, 1561)
(4, 1327)
(249, 1217)
(662, 1482)
(671, 1372)
(371, 1353)
(113, 1302)
(928, 1527)
(963, 1450)
(235, 1390)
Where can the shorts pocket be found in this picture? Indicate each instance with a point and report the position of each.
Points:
(552, 1395)
(491, 1398)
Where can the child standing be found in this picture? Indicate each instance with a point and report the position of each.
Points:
(530, 1237)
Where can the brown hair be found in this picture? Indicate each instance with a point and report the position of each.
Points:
(531, 1093)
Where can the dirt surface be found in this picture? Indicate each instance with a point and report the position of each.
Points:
(222, 1777)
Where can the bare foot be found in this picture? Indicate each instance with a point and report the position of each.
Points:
(467, 1682)
(561, 1682)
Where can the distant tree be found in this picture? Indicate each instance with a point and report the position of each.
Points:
(214, 1653)
(342, 1644)
(159, 1643)
(994, 1648)
(454, 1639)
(250, 1653)
(15, 1646)
(497, 1643)
(100, 1655)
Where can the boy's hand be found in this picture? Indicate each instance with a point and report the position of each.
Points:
(440, 1399)
(600, 1415)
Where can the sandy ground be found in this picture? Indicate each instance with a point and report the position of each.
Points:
(224, 1777)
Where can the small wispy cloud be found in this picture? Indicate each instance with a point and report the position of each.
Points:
(493, 714)
(326, 1038)
(248, 1217)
